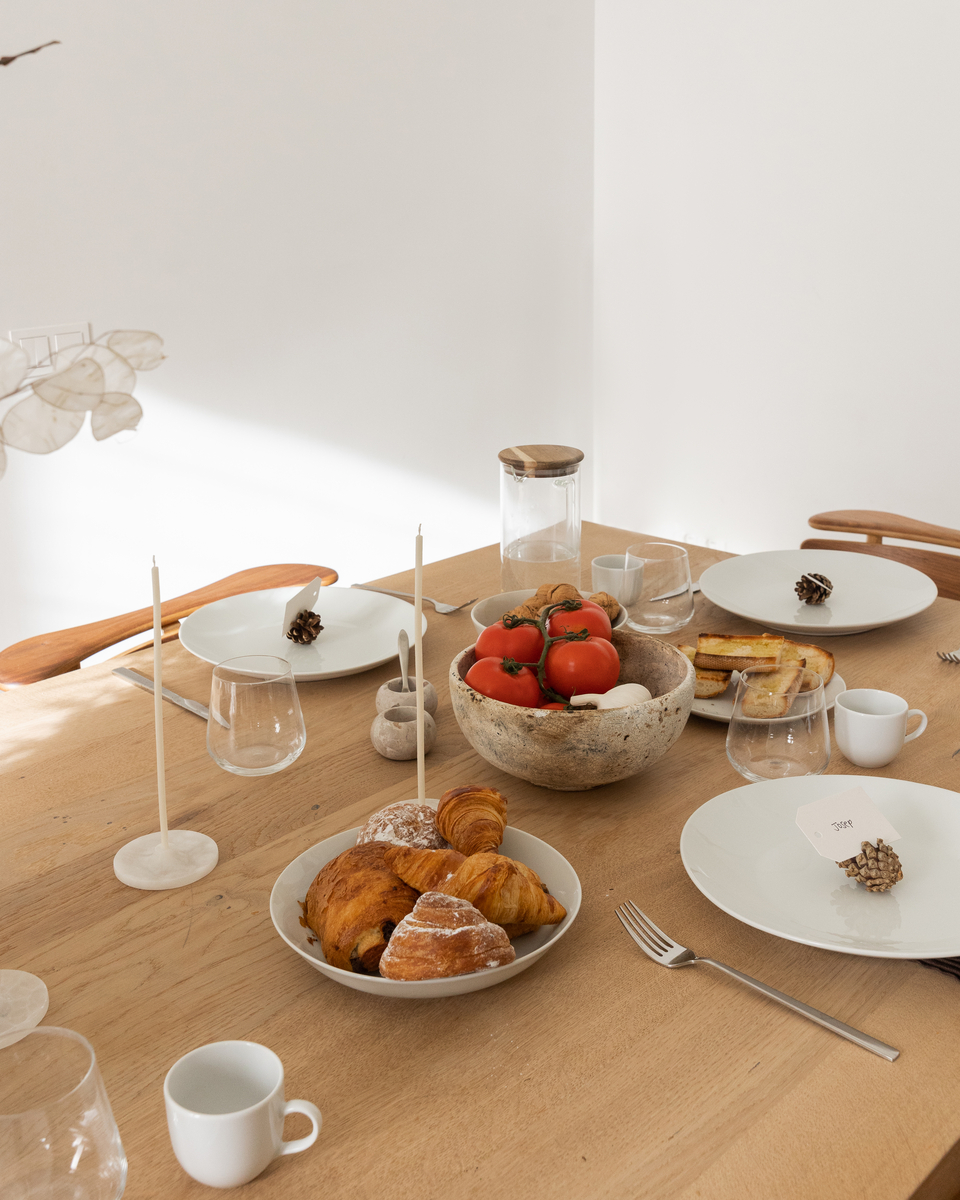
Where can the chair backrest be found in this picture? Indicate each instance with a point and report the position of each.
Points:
(943, 569)
(56, 653)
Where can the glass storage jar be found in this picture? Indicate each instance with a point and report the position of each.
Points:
(539, 516)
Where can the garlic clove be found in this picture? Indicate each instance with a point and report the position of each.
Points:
(621, 696)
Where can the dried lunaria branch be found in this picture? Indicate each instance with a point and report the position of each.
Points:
(97, 378)
(7, 59)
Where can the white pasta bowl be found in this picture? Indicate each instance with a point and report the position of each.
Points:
(295, 880)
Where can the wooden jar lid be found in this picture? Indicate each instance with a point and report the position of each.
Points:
(533, 460)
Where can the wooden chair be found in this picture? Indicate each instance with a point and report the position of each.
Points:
(943, 569)
(56, 653)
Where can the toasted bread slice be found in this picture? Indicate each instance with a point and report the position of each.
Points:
(736, 652)
(814, 658)
(772, 694)
(710, 684)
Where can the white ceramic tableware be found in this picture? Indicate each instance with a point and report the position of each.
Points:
(744, 851)
(664, 602)
(794, 739)
(225, 1112)
(58, 1137)
(871, 726)
(255, 726)
(294, 882)
(720, 708)
(360, 630)
(616, 575)
(489, 611)
(867, 592)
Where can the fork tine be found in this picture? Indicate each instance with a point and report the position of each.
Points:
(654, 932)
(627, 921)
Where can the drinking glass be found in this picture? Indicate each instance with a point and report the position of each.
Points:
(255, 726)
(775, 736)
(665, 599)
(58, 1138)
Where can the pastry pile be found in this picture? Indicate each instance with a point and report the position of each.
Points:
(425, 895)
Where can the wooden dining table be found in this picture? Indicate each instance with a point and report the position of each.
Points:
(594, 1074)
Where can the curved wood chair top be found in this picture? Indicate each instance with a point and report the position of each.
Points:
(943, 569)
(51, 654)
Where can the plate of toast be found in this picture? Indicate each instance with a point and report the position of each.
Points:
(865, 592)
(718, 659)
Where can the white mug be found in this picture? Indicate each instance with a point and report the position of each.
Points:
(618, 576)
(225, 1112)
(871, 726)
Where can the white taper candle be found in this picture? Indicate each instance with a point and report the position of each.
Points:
(418, 644)
(158, 702)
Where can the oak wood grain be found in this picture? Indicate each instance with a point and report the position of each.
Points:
(884, 524)
(50, 654)
(595, 1075)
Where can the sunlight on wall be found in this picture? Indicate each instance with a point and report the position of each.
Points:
(208, 496)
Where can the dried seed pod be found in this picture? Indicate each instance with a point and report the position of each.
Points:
(305, 628)
(876, 867)
(813, 589)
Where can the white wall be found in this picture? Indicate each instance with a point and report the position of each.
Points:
(777, 264)
(363, 228)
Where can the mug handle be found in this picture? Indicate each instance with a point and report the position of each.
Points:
(915, 712)
(308, 1110)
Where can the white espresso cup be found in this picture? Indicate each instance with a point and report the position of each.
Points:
(619, 576)
(225, 1111)
(871, 726)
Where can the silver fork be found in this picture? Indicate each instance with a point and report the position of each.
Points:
(437, 604)
(950, 656)
(668, 953)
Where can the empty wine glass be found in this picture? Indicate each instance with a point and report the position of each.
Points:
(777, 734)
(255, 726)
(58, 1138)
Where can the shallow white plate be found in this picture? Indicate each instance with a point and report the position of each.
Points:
(360, 630)
(867, 592)
(720, 708)
(294, 882)
(489, 611)
(744, 851)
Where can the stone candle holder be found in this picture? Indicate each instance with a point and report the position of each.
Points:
(390, 695)
(394, 733)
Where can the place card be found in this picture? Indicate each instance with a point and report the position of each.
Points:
(304, 599)
(837, 825)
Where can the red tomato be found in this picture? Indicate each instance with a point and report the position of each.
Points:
(525, 643)
(554, 704)
(590, 617)
(573, 668)
(489, 678)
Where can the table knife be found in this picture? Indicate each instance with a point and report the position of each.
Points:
(194, 706)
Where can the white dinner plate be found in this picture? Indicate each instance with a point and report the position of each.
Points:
(745, 852)
(720, 708)
(295, 881)
(867, 592)
(360, 630)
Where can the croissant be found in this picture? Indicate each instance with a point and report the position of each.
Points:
(444, 936)
(353, 906)
(472, 818)
(424, 870)
(505, 891)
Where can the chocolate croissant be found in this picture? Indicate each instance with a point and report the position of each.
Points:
(444, 936)
(424, 870)
(354, 905)
(505, 891)
(472, 818)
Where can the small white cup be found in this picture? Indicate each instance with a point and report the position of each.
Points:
(871, 726)
(225, 1111)
(618, 576)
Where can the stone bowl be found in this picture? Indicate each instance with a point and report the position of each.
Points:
(571, 752)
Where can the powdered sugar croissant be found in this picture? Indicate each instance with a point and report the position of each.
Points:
(444, 936)
(472, 818)
(505, 891)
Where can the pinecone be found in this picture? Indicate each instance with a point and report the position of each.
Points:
(877, 867)
(813, 589)
(305, 628)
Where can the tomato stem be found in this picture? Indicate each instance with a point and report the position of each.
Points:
(512, 621)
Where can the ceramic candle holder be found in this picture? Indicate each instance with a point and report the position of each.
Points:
(390, 695)
(394, 733)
